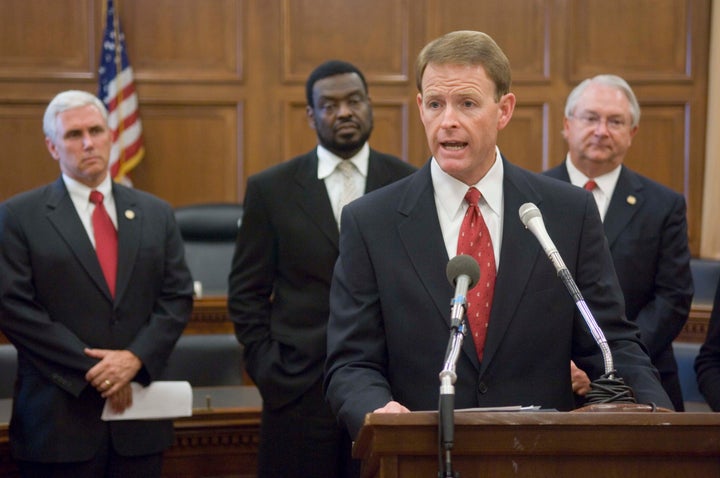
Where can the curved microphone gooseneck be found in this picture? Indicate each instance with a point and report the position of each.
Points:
(608, 388)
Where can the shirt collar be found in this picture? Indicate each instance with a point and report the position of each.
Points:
(327, 161)
(452, 191)
(605, 182)
(80, 193)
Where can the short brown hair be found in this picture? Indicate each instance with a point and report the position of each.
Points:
(467, 47)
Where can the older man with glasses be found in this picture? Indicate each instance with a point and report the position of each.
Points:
(645, 222)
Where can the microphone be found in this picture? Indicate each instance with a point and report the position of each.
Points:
(611, 389)
(531, 218)
(463, 272)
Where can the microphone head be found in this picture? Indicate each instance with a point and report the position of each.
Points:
(463, 265)
(529, 211)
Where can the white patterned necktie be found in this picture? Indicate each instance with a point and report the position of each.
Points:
(349, 191)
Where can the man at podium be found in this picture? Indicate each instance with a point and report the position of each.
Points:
(390, 298)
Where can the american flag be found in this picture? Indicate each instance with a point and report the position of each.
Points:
(117, 91)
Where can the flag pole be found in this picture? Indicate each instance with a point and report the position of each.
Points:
(120, 92)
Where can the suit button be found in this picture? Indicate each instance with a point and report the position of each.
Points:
(482, 388)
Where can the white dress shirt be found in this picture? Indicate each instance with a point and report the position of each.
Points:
(451, 206)
(605, 185)
(334, 180)
(80, 196)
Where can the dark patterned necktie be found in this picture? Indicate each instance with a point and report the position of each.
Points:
(475, 240)
(106, 243)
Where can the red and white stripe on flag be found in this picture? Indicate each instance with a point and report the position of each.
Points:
(117, 91)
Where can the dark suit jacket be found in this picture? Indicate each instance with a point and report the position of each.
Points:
(54, 302)
(648, 241)
(280, 278)
(707, 363)
(390, 305)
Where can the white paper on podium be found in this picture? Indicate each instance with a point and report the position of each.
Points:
(507, 408)
(510, 408)
(163, 399)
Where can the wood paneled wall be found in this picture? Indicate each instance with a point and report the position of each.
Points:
(221, 82)
(710, 240)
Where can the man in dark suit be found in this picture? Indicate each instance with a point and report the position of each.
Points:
(83, 333)
(389, 302)
(280, 278)
(644, 221)
(707, 362)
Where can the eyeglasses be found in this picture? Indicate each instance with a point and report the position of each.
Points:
(589, 120)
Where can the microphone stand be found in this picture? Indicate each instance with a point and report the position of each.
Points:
(608, 388)
(446, 407)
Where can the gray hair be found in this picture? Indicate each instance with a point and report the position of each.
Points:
(612, 81)
(67, 100)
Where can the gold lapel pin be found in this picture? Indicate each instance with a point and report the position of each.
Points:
(131, 214)
(631, 200)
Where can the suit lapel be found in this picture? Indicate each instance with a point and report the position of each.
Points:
(559, 172)
(310, 194)
(625, 202)
(65, 220)
(422, 237)
(520, 250)
(378, 173)
(130, 221)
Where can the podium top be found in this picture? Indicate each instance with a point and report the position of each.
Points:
(484, 431)
(500, 444)
(575, 418)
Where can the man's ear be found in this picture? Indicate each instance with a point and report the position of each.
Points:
(566, 127)
(419, 101)
(506, 106)
(310, 116)
(52, 149)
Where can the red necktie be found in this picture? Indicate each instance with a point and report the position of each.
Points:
(105, 240)
(590, 185)
(475, 241)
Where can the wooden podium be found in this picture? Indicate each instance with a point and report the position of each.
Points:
(544, 444)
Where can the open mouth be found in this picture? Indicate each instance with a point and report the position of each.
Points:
(453, 145)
